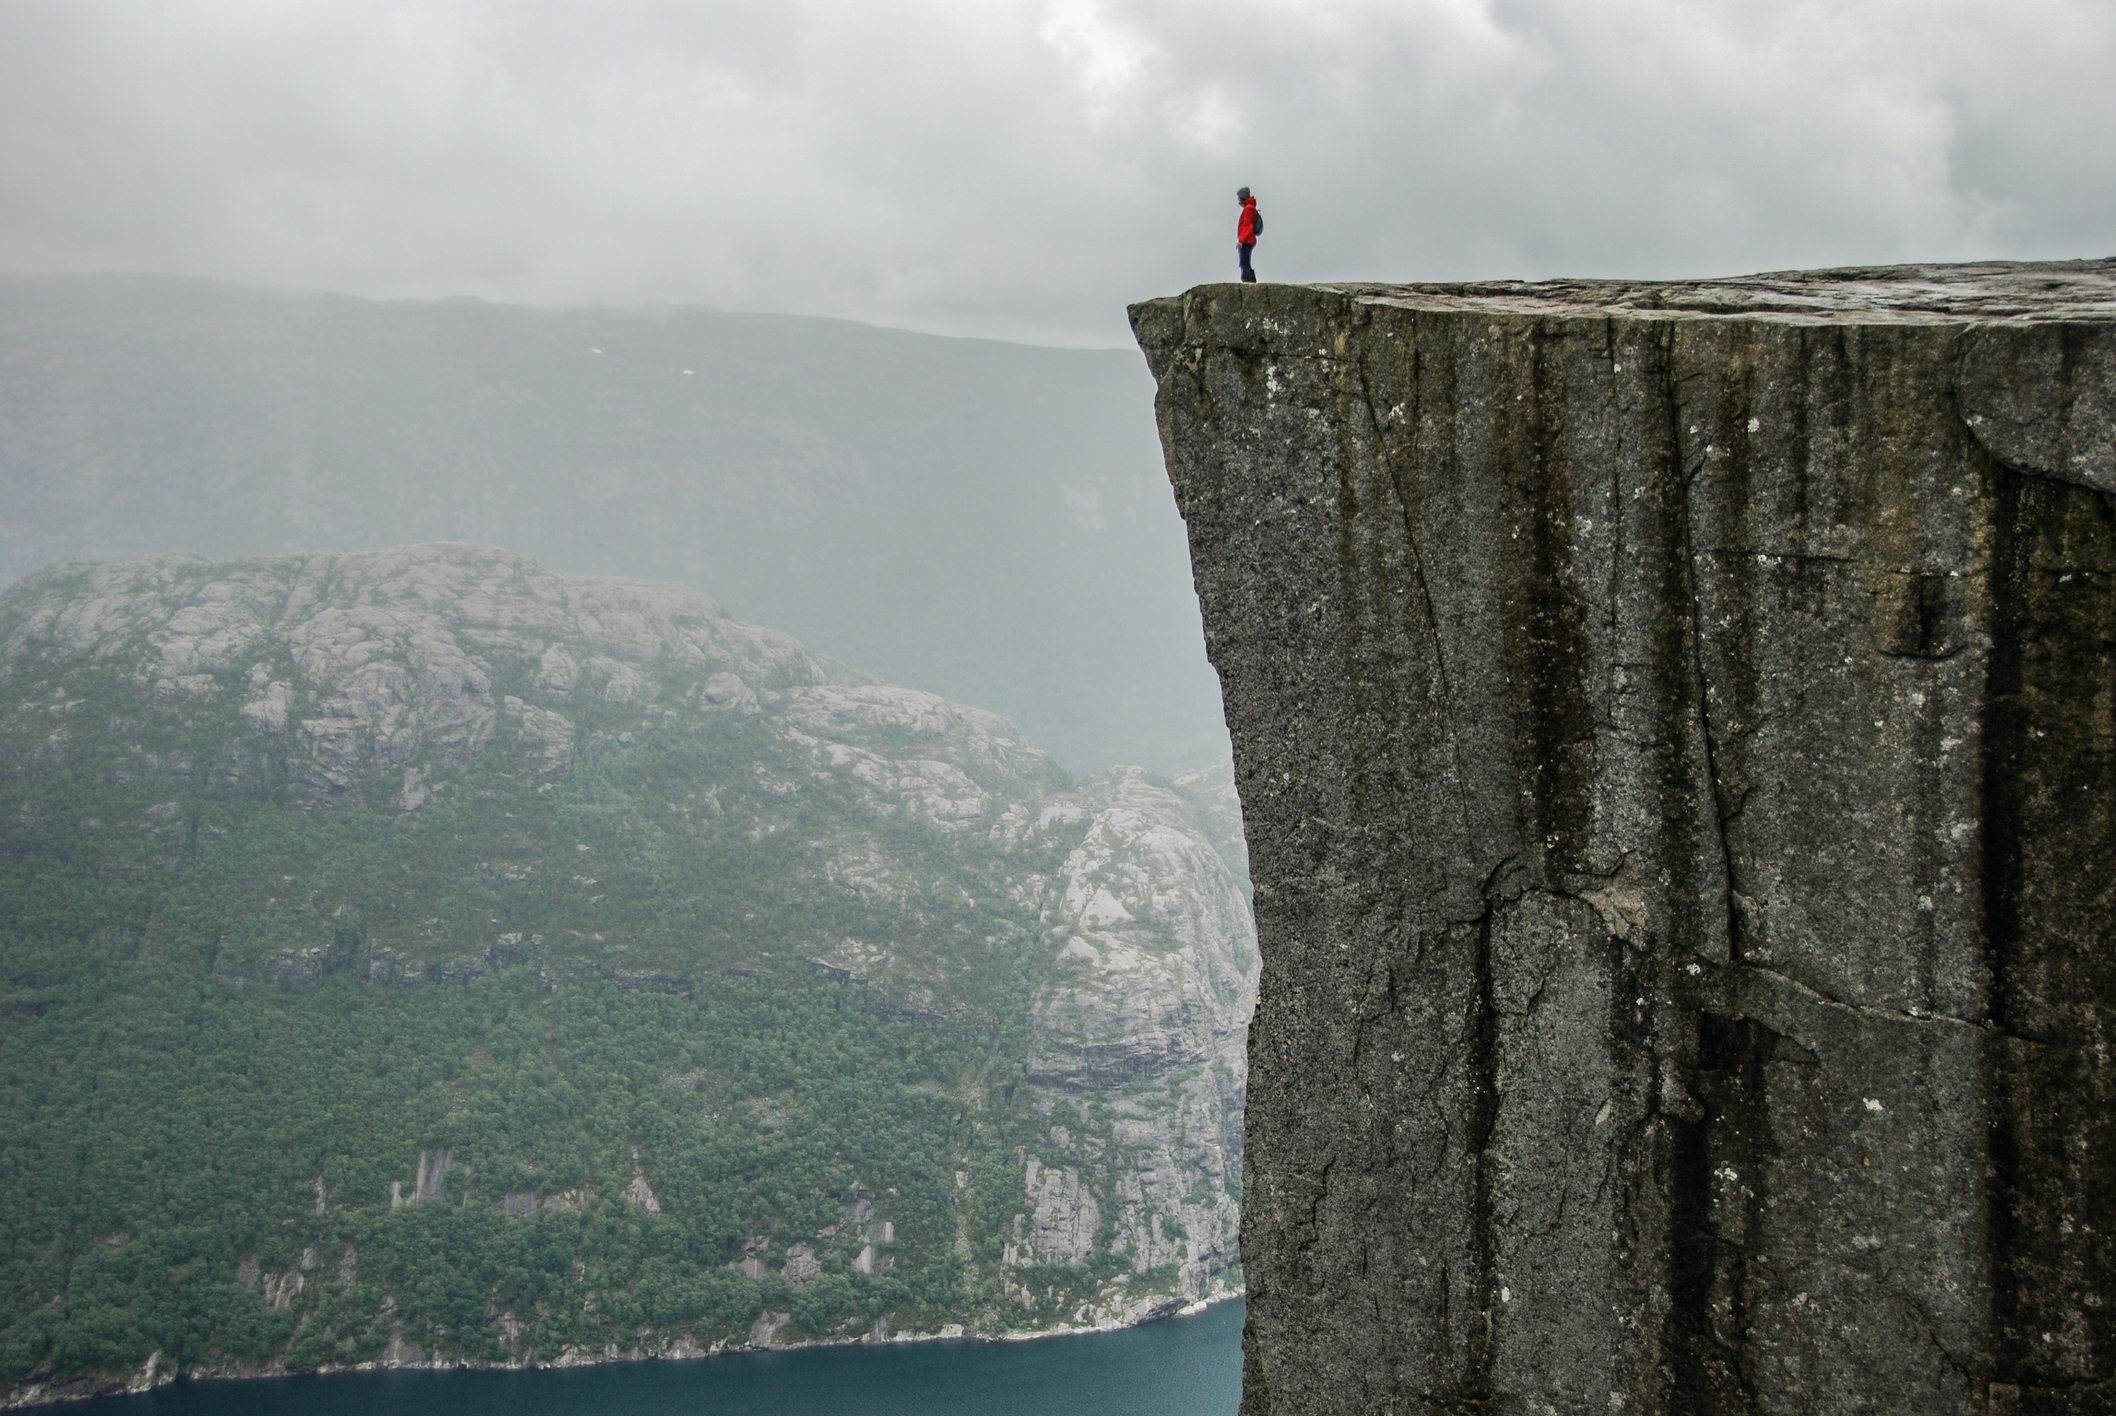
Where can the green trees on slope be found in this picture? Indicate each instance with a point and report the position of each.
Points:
(212, 1072)
(164, 1129)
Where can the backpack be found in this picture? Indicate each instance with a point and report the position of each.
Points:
(1258, 228)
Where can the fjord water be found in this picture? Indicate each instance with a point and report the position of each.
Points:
(1185, 1367)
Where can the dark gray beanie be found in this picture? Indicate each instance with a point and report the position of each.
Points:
(1243, 193)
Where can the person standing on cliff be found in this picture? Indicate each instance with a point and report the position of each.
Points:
(1246, 229)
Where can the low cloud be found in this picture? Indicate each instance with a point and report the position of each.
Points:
(1022, 169)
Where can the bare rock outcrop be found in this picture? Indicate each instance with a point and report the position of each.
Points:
(1143, 1028)
(350, 665)
(1676, 731)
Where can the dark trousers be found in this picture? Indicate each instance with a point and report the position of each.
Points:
(1248, 275)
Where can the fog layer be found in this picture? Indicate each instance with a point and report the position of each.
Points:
(981, 520)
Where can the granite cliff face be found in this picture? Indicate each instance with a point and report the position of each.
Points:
(1676, 730)
(1146, 1021)
(371, 777)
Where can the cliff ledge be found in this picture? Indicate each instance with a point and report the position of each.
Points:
(1676, 731)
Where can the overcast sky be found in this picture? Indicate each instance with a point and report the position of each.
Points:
(1021, 168)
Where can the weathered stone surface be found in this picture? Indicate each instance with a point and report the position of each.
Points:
(1674, 732)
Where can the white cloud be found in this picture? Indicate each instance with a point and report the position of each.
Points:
(1086, 506)
(1108, 59)
(1208, 118)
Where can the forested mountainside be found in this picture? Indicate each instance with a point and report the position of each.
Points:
(419, 955)
(986, 521)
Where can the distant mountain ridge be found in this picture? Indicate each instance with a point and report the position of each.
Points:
(418, 956)
(983, 520)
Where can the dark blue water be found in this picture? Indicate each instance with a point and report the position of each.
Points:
(1184, 1367)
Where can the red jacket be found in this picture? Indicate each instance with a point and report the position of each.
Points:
(1245, 228)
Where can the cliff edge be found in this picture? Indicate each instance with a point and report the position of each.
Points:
(1676, 732)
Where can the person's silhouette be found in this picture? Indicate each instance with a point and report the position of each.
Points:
(1246, 229)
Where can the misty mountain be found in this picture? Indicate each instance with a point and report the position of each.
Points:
(420, 956)
(981, 520)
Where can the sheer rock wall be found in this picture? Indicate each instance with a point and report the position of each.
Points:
(1673, 725)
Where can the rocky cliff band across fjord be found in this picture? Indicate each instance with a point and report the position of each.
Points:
(1673, 724)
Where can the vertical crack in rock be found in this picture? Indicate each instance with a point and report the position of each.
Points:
(2002, 734)
(1708, 1280)
(1483, 1067)
(1674, 731)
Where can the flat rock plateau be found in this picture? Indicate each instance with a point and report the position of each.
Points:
(1675, 726)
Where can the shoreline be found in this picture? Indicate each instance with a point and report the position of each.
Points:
(153, 1377)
